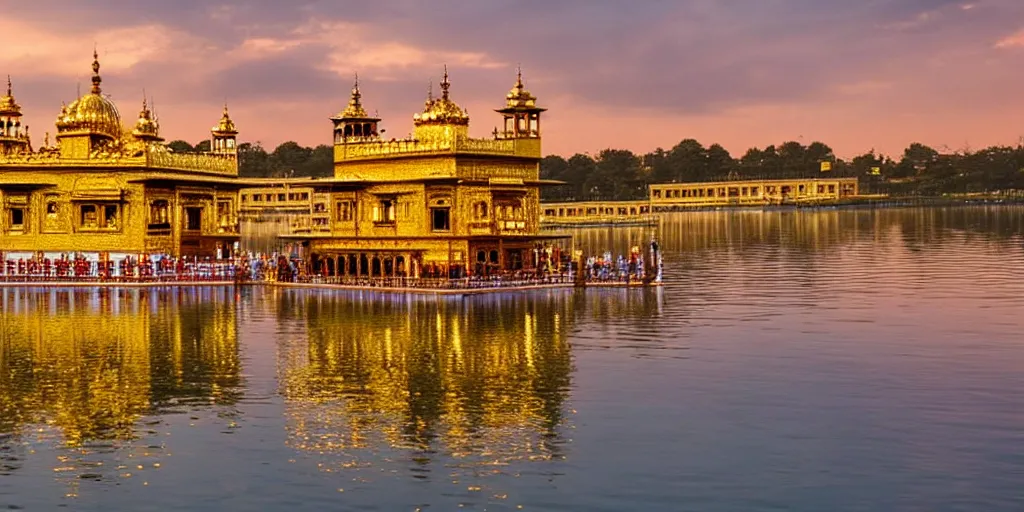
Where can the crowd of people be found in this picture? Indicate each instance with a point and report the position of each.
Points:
(625, 268)
(261, 267)
(145, 267)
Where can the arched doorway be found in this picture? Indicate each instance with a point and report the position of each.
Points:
(375, 269)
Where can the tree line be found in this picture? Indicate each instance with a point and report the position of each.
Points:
(618, 174)
(286, 160)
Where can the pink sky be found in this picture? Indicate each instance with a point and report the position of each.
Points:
(855, 75)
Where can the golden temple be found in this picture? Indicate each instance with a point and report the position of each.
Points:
(107, 190)
(439, 199)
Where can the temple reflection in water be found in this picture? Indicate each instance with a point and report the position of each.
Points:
(81, 368)
(486, 378)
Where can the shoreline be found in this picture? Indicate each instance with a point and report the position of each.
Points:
(872, 202)
(847, 204)
(324, 286)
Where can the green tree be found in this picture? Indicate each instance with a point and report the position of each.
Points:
(253, 160)
(290, 158)
(720, 162)
(581, 167)
(554, 167)
(687, 161)
(320, 162)
(917, 158)
(616, 176)
(180, 146)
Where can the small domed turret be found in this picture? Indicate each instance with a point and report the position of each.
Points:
(13, 136)
(354, 123)
(224, 136)
(442, 111)
(146, 128)
(521, 113)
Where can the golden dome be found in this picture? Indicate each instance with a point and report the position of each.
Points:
(92, 113)
(225, 126)
(443, 110)
(519, 97)
(355, 109)
(146, 128)
(8, 107)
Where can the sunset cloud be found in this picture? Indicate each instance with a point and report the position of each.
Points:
(857, 75)
(1015, 40)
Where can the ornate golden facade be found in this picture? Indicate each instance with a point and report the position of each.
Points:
(440, 199)
(106, 190)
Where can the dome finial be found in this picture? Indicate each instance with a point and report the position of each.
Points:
(519, 75)
(445, 84)
(226, 125)
(96, 80)
(355, 107)
(9, 91)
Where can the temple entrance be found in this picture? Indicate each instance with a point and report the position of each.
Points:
(366, 265)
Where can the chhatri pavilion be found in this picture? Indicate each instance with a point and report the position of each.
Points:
(105, 190)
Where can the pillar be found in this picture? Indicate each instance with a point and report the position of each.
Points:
(501, 255)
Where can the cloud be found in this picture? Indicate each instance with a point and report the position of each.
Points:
(1015, 40)
(676, 67)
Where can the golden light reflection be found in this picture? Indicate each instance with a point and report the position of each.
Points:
(824, 231)
(82, 369)
(484, 381)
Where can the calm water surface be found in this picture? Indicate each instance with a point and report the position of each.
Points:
(832, 360)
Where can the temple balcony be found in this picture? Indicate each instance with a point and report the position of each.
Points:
(378, 148)
(193, 162)
(204, 163)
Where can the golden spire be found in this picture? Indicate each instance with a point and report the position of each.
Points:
(146, 128)
(355, 107)
(7, 104)
(226, 126)
(518, 96)
(442, 110)
(96, 72)
(445, 84)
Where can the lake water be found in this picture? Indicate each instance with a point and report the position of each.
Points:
(829, 360)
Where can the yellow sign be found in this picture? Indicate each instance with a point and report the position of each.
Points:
(875, 171)
(826, 166)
